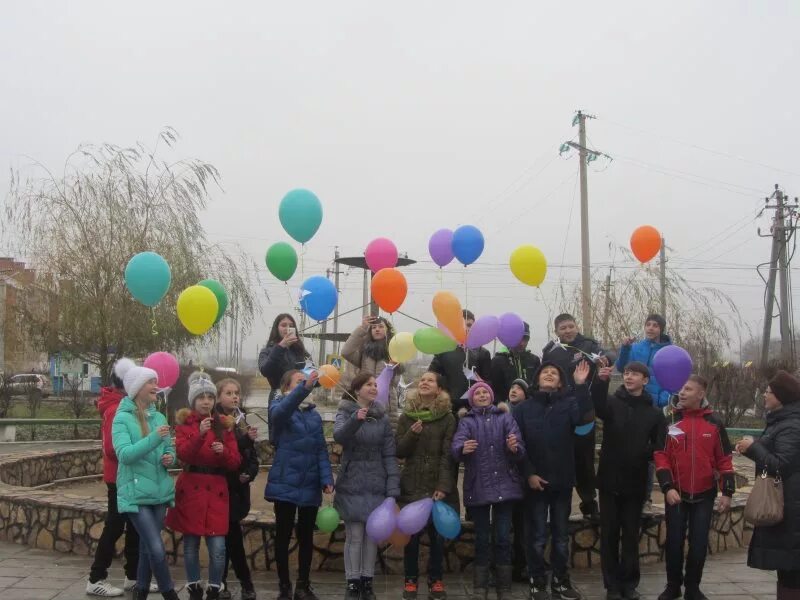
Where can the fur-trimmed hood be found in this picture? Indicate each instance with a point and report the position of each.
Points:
(187, 416)
(500, 408)
(438, 407)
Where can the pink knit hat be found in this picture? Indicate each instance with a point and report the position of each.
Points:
(475, 386)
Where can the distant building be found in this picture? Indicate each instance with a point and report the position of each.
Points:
(20, 352)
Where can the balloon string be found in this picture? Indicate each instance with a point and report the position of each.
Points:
(440, 277)
(153, 321)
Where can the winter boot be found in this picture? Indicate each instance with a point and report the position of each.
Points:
(170, 595)
(304, 591)
(367, 591)
(248, 591)
(503, 582)
(353, 590)
(285, 592)
(137, 594)
(480, 583)
(212, 592)
(694, 593)
(671, 592)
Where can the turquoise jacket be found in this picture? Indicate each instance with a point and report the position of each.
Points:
(141, 478)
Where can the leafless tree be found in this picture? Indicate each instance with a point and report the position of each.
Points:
(77, 404)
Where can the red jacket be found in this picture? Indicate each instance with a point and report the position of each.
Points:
(107, 405)
(697, 453)
(201, 492)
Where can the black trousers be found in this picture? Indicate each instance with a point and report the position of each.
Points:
(620, 523)
(688, 521)
(284, 524)
(584, 468)
(115, 526)
(518, 559)
(236, 557)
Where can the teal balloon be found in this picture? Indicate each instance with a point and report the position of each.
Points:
(222, 296)
(147, 276)
(300, 213)
(446, 520)
(431, 340)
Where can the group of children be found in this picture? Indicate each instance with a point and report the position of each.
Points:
(519, 462)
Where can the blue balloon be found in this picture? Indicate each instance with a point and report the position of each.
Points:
(584, 429)
(300, 213)
(318, 297)
(446, 520)
(147, 276)
(467, 244)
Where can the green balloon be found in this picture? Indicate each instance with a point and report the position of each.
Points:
(222, 296)
(327, 519)
(300, 213)
(431, 340)
(282, 260)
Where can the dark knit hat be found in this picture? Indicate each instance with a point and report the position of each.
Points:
(786, 387)
(662, 322)
(521, 383)
(637, 367)
(526, 331)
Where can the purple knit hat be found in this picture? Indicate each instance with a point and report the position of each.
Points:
(480, 384)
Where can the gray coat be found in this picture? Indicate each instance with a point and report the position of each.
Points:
(368, 473)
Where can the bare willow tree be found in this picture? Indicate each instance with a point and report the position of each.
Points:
(698, 318)
(79, 228)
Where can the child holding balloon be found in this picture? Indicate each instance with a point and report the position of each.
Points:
(368, 474)
(424, 435)
(489, 444)
(300, 471)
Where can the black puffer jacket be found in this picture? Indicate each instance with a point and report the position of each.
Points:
(778, 451)
(274, 360)
(508, 366)
(238, 492)
(632, 430)
(451, 365)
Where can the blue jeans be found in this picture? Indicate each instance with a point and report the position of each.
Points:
(435, 558)
(559, 504)
(688, 521)
(501, 513)
(216, 558)
(149, 522)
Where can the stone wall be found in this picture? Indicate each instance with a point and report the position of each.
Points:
(54, 520)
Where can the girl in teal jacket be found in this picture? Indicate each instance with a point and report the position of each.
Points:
(144, 449)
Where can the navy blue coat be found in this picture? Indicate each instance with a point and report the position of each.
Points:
(547, 421)
(301, 467)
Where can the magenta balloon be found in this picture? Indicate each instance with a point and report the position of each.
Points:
(382, 522)
(440, 247)
(672, 366)
(483, 331)
(511, 330)
(413, 517)
(381, 253)
(166, 366)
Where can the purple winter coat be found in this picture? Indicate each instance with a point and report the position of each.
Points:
(490, 473)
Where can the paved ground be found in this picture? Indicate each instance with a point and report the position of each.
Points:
(29, 574)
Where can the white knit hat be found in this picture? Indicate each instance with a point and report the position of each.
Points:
(133, 377)
(200, 383)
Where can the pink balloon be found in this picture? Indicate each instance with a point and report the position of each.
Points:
(167, 367)
(381, 253)
(413, 517)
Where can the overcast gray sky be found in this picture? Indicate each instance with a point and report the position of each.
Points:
(407, 117)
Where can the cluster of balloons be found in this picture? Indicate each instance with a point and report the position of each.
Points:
(387, 523)
(200, 307)
(645, 243)
(300, 214)
(464, 244)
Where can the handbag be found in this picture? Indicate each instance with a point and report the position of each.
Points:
(764, 507)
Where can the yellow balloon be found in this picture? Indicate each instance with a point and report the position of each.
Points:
(197, 309)
(528, 265)
(401, 347)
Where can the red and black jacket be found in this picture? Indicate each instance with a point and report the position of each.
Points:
(696, 454)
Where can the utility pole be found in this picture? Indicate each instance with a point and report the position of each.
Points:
(663, 277)
(338, 292)
(323, 331)
(586, 156)
(780, 233)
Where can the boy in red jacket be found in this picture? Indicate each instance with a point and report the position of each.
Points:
(697, 453)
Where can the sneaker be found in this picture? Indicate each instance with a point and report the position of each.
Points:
(410, 589)
(353, 590)
(539, 589)
(436, 590)
(671, 592)
(367, 593)
(694, 593)
(102, 588)
(129, 584)
(561, 587)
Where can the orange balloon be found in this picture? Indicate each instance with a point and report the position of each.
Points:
(645, 243)
(398, 539)
(329, 376)
(389, 289)
(447, 309)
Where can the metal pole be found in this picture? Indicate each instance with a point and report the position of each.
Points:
(323, 331)
(663, 279)
(786, 336)
(586, 281)
(338, 292)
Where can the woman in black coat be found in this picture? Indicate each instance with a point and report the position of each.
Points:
(284, 352)
(777, 452)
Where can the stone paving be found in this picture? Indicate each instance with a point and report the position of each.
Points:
(30, 574)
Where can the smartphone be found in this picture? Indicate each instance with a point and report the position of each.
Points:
(291, 331)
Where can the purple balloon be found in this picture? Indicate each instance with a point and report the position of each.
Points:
(382, 522)
(511, 330)
(440, 247)
(672, 366)
(483, 331)
(384, 382)
(413, 517)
